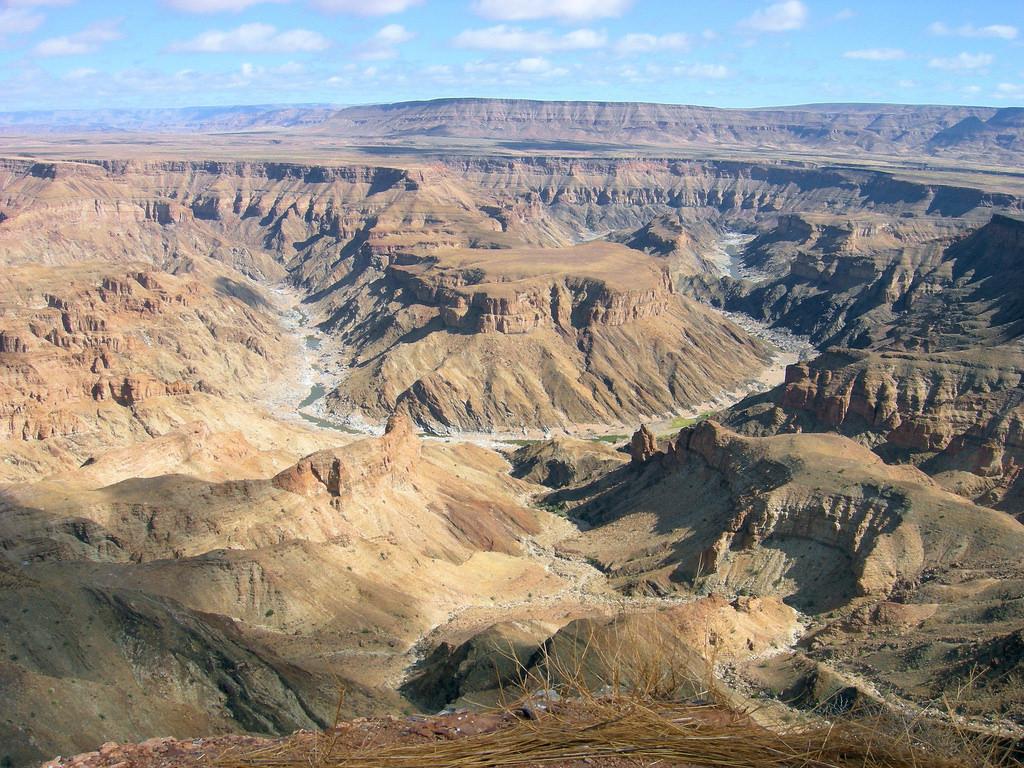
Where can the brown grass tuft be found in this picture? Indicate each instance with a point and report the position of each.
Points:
(612, 700)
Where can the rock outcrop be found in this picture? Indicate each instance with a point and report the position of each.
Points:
(643, 445)
(363, 466)
(816, 518)
(564, 461)
(937, 380)
(513, 338)
(83, 348)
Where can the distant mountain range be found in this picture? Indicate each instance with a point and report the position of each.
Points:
(983, 133)
(173, 120)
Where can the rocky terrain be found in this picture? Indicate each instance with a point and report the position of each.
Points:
(380, 253)
(981, 133)
(277, 429)
(923, 347)
(586, 335)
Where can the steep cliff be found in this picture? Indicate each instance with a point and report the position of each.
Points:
(938, 379)
(816, 519)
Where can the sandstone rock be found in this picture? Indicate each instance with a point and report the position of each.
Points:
(643, 445)
(562, 462)
(816, 518)
(10, 343)
(368, 462)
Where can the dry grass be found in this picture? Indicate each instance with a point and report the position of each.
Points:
(624, 732)
(607, 700)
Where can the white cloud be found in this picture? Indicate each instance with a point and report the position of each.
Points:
(365, 7)
(249, 72)
(963, 62)
(88, 40)
(777, 17)
(253, 38)
(289, 68)
(1001, 31)
(17, 17)
(479, 67)
(876, 54)
(1010, 91)
(568, 10)
(844, 15)
(16, 21)
(538, 65)
(646, 43)
(216, 6)
(702, 71)
(81, 73)
(393, 34)
(384, 44)
(505, 38)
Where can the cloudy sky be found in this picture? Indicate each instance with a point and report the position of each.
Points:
(144, 53)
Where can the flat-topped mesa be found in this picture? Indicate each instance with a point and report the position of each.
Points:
(521, 290)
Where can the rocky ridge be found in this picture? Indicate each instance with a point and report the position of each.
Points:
(202, 603)
(935, 377)
(980, 133)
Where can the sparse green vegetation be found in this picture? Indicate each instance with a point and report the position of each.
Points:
(558, 508)
(682, 422)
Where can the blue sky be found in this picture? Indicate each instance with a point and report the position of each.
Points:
(731, 53)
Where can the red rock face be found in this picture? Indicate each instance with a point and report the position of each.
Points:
(12, 344)
(788, 497)
(569, 304)
(954, 411)
(112, 338)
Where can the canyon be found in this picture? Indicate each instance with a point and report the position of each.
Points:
(395, 424)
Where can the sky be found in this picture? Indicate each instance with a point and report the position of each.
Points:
(88, 54)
